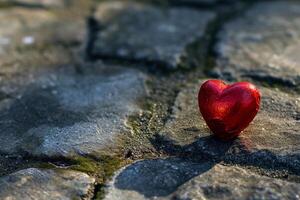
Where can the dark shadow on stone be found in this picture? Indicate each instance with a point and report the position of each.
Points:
(203, 148)
(238, 151)
(271, 80)
(267, 160)
(159, 177)
(37, 107)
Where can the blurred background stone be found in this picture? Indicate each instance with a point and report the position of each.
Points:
(98, 99)
(144, 33)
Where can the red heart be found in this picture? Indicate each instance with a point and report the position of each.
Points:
(228, 109)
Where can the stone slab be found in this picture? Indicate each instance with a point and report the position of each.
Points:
(62, 113)
(271, 139)
(262, 44)
(141, 32)
(33, 183)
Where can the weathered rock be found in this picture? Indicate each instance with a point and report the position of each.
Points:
(150, 179)
(148, 34)
(41, 184)
(263, 44)
(21, 27)
(34, 40)
(175, 178)
(271, 139)
(48, 109)
(62, 112)
(222, 182)
(17, 26)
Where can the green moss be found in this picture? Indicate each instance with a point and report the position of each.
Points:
(84, 164)
(109, 165)
(103, 167)
(100, 194)
(44, 165)
(136, 122)
(156, 108)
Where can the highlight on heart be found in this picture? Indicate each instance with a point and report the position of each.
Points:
(228, 108)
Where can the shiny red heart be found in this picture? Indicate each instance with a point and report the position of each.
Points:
(228, 109)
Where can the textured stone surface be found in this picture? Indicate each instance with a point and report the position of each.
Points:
(62, 108)
(140, 32)
(61, 112)
(36, 43)
(273, 136)
(21, 27)
(262, 44)
(178, 179)
(152, 178)
(16, 25)
(35, 183)
(33, 40)
(222, 182)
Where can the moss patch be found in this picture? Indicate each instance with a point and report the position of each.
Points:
(85, 164)
(107, 166)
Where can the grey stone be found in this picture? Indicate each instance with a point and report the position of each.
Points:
(149, 34)
(224, 182)
(32, 54)
(16, 23)
(174, 178)
(272, 139)
(152, 179)
(262, 44)
(21, 27)
(33, 41)
(63, 113)
(41, 184)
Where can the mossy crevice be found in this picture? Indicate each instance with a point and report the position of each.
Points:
(156, 109)
(102, 167)
(164, 88)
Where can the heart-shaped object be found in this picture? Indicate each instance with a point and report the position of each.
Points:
(228, 109)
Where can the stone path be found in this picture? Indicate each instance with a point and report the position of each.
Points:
(140, 32)
(98, 99)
